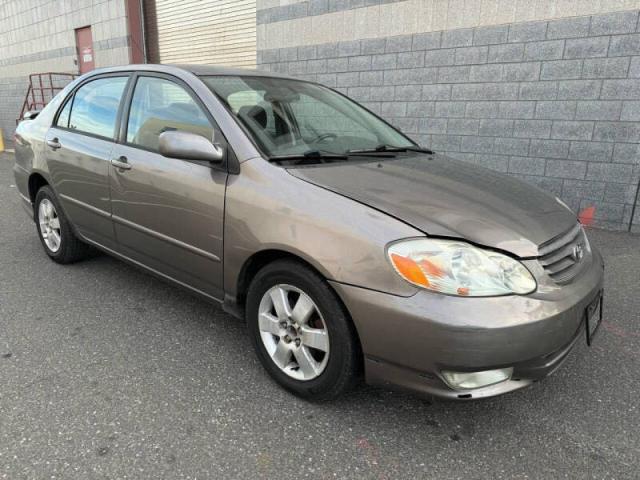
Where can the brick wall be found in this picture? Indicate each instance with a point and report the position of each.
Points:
(12, 91)
(554, 102)
(39, 36)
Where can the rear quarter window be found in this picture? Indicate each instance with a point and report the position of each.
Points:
(63, 118)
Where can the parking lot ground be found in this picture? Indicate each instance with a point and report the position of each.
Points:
(108, 373)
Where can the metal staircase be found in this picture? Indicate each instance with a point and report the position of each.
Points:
(42, 88)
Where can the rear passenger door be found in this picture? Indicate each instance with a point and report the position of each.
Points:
(168, 213)
(78, 151)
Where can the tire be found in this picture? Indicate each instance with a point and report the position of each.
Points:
(69, 249)
(341, 369)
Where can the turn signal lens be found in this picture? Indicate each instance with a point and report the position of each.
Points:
(458, 268)
(409, 269)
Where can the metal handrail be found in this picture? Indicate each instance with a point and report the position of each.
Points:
(42, 89)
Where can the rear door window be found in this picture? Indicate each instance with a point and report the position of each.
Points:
(95, 106)
(159, 105)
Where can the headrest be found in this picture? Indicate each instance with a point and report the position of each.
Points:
(256, 113)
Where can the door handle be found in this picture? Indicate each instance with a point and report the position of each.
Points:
(121, 163)
(54, 143)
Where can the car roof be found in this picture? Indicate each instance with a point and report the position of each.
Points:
(220, 70)
(197, 70)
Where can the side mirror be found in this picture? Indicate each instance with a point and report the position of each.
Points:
(31, 114)
(189, 146)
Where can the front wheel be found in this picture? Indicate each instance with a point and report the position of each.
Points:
(301, 332)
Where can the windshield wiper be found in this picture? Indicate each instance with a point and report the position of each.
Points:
(310, 156)
(390, 149)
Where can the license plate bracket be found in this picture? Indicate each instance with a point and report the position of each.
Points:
(593, 321)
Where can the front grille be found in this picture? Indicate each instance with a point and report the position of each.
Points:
(560, 257)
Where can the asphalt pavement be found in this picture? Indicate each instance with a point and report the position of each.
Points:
(109, 373)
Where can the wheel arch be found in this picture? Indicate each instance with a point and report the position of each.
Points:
(36, 182)
(261, 259)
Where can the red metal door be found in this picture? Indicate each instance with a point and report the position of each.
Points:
(84, 44)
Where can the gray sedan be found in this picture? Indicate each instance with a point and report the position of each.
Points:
(350, 250)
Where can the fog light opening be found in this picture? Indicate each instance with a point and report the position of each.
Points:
(470, 380)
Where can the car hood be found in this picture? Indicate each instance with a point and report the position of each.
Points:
(445, 197)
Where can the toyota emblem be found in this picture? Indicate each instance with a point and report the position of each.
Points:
(578, 252)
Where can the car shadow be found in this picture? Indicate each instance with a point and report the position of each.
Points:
(231, 337)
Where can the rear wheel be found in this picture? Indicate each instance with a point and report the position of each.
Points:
(55, 231)
(301, 332)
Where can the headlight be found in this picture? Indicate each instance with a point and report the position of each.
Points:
(457, 268)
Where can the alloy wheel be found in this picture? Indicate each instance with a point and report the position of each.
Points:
(49, 225)
(293, 332)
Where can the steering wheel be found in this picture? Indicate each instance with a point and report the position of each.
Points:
(324, 136)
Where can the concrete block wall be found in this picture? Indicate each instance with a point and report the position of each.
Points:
(554, 102)
(39, 36)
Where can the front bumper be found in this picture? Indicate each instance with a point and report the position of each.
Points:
(407, 341)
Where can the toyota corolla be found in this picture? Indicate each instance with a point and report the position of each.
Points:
(350, 250)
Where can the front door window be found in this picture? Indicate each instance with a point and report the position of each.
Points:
(159, 105)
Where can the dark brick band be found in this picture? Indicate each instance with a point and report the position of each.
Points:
(311, 8)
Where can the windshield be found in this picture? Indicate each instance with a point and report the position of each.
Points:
(291, 117)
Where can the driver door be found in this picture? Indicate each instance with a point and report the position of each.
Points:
(168, 213)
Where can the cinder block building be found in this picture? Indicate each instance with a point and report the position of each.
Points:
(545, 90)
(75, 36)
(71, 37)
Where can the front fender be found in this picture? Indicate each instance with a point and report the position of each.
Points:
(266, 208)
